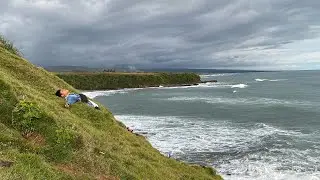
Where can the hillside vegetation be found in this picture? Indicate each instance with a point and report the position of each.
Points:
(8, 45)
(100, 81)
(44, 140)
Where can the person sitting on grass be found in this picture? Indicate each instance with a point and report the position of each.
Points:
(72, 98)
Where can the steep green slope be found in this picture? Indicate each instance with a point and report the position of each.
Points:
(46, 141)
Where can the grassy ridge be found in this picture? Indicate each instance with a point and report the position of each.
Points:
(46, 141)
(8, 45)
(99, 81)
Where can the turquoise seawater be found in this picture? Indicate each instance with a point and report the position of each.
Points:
(247, 126)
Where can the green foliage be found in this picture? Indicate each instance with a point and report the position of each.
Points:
(57, 153)
(68, 138)
(98, 81)
(9, 139)
(7, 103)
(8, 45)
(30, 166)
(25, 116)
(64, 137)
(62, 144)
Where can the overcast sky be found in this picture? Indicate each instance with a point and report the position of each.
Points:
(245, 34)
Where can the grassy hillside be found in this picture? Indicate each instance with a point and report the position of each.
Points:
(99, 81)
(44, 140)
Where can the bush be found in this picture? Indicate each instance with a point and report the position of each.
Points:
(8, 45)
(62, 144)
(25, 116)
(65, 138)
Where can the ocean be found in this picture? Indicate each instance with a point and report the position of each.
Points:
(258, 125)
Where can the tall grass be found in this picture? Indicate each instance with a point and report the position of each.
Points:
(8, 45)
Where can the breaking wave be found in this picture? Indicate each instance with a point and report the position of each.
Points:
(271, 80)
(94, 94)
(238, 151)
(217, 75)
(242, 101)
(239, 86)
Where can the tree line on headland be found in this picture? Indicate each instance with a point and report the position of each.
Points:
(106, 81)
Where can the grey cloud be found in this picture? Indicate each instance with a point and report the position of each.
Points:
(179, 33)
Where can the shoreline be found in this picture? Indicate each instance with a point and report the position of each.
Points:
(194, 84)
(95, 93)
(114, 81)
(155, 86)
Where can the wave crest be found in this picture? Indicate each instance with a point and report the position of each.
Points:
(217, 75)
(241, 86)
(270, 80)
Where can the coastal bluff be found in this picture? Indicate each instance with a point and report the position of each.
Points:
(41, 139)
(117, 80)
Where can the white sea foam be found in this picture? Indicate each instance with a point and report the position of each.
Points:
(94, 94)
(240, 101)
(185, 136)
(179, 134)
(210, 85)
(275, 80)
(222, 85)
(217, 75)
(239, 86)
(259, 170)
(261, 80)
(271, 80)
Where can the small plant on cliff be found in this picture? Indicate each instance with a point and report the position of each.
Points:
(8, 45)
(25, 116)
(64, 138)
(62, 145)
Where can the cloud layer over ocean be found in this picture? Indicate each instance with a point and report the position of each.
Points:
(259, 34)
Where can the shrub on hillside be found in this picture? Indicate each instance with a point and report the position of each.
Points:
(25, 116)
(8, 45)
(62, 144)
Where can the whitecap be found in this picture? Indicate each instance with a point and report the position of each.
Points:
(223, 140)
(270, 80)
(168, 133)
(239, 86)
(276, 80)
(261, 80)
(242, 101)
(217, 75)
(94, 94)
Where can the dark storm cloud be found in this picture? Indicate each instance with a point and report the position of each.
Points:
(158, 33)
